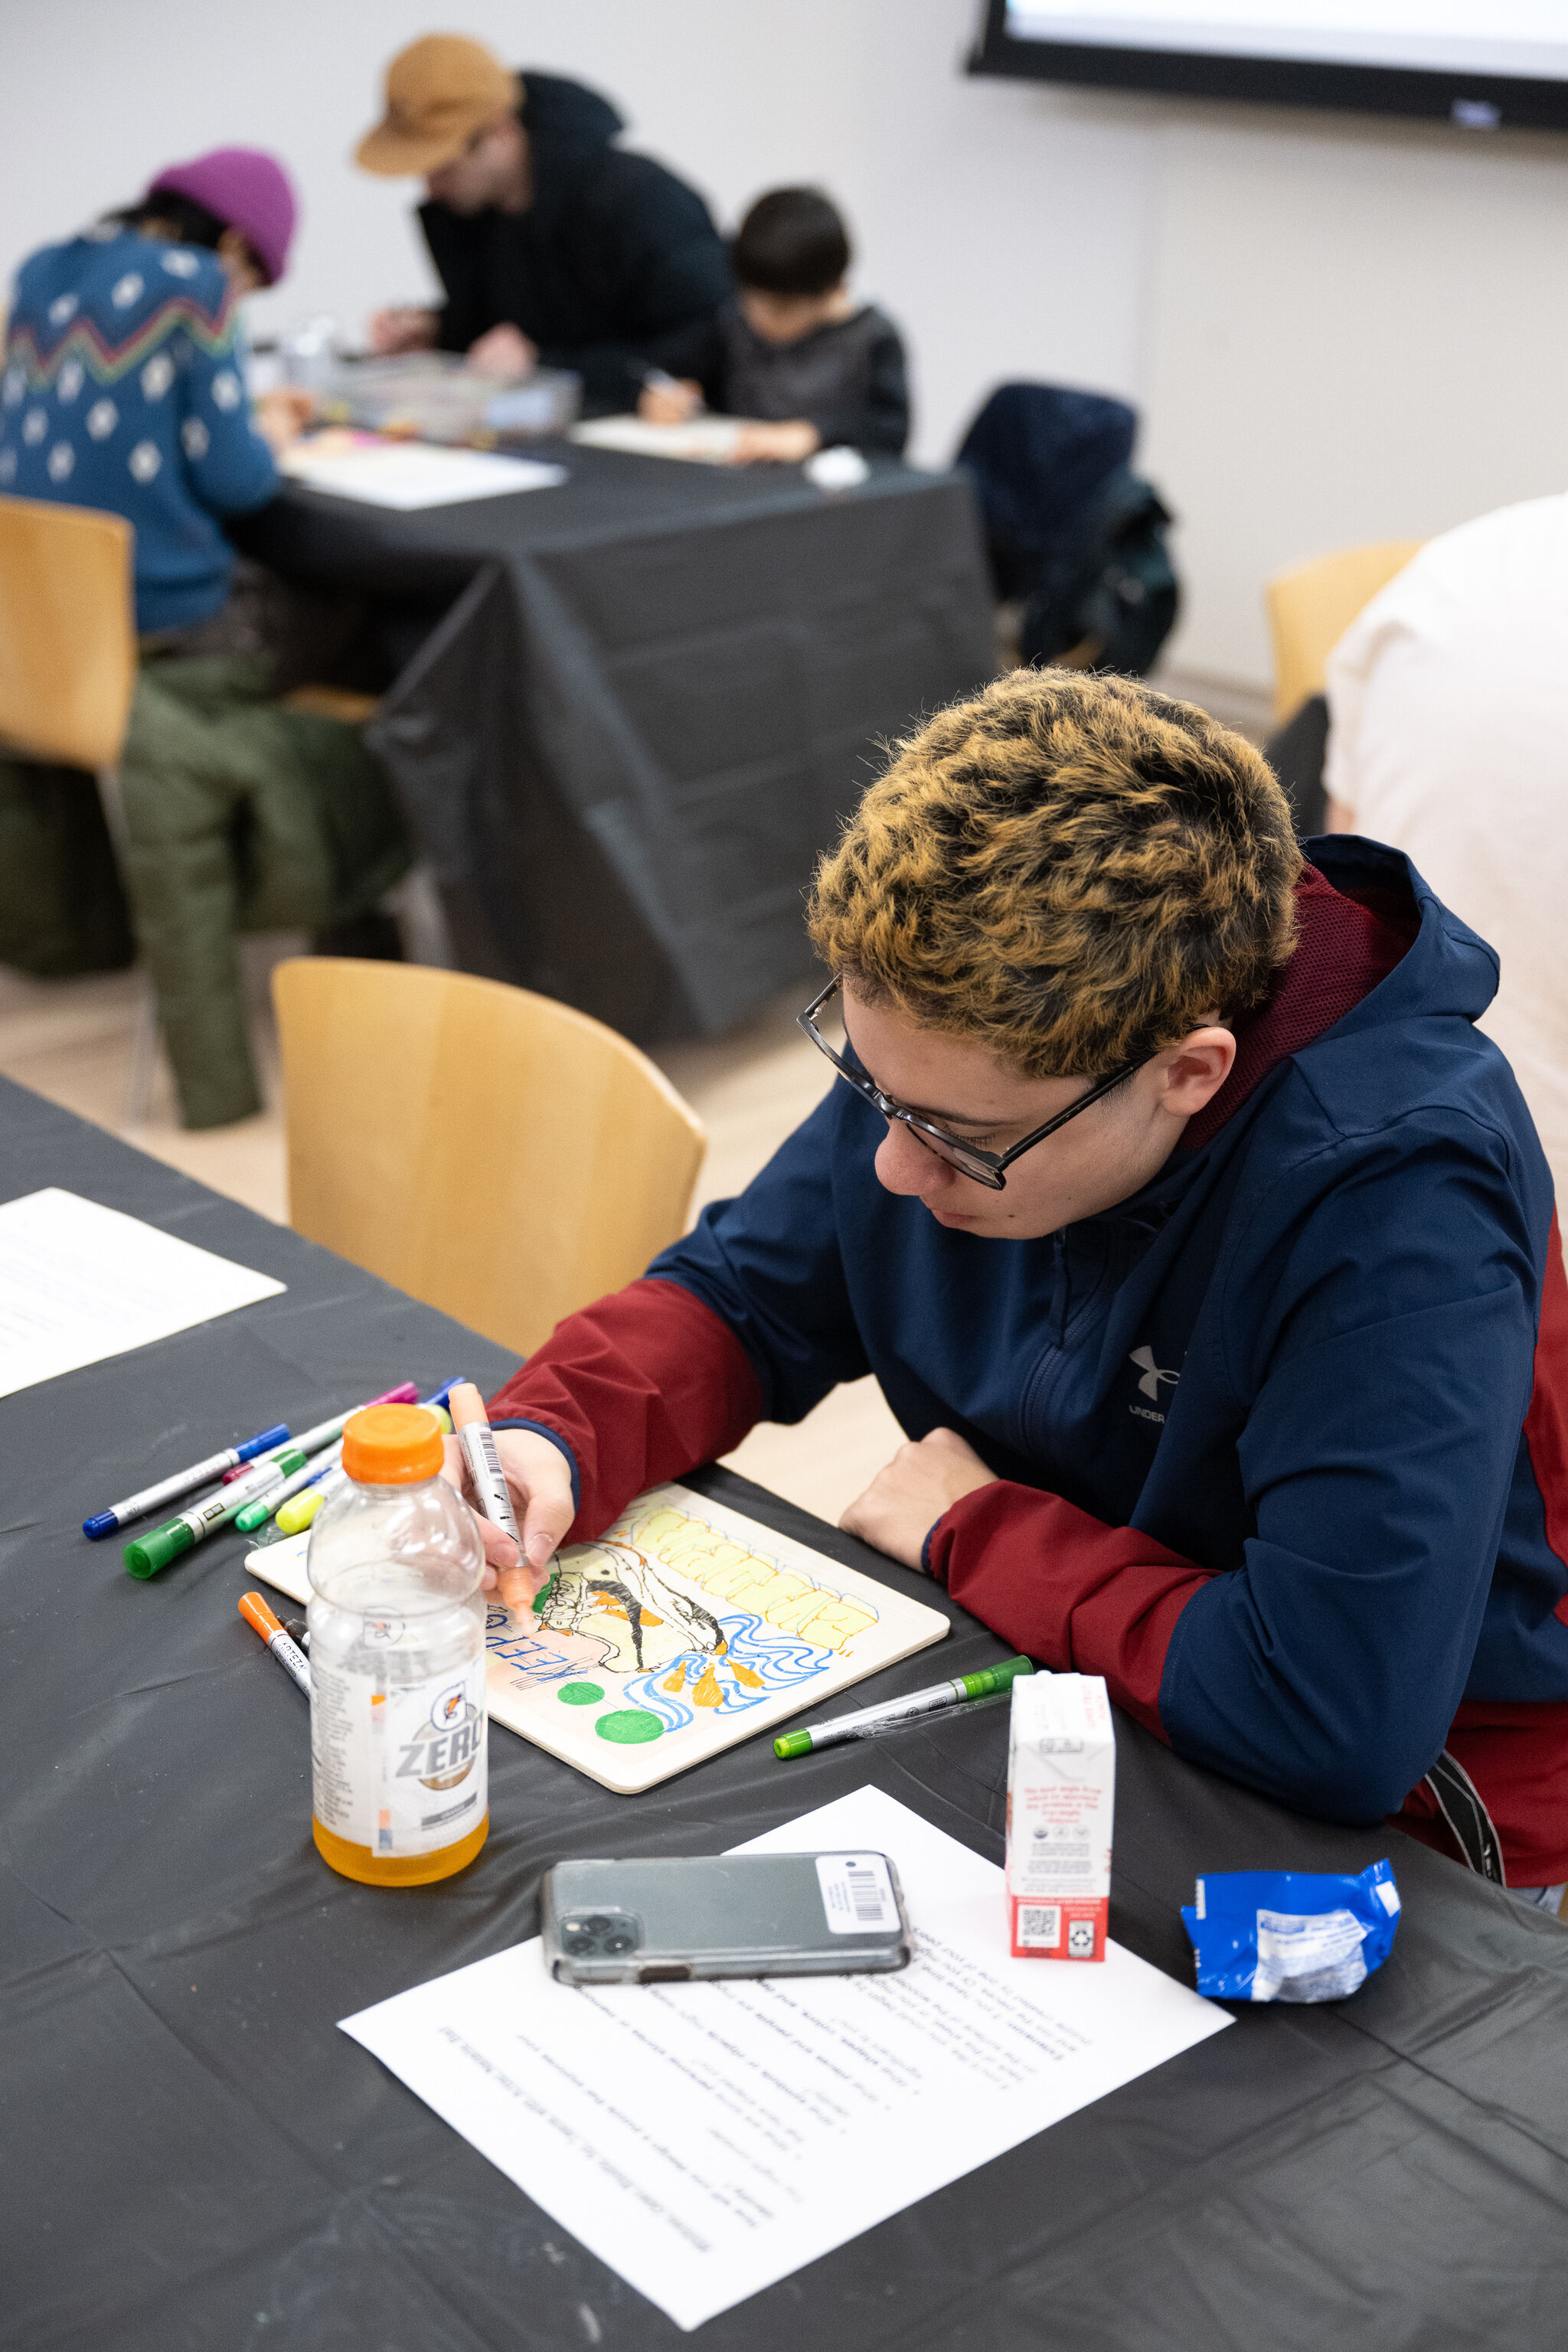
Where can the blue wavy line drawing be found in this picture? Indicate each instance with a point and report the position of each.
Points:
(779, 1661)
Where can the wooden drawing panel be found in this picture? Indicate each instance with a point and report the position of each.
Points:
(684, 1628)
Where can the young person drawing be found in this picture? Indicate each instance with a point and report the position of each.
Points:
(1201, 1244)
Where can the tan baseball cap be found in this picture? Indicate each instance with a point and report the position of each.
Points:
(440, 91)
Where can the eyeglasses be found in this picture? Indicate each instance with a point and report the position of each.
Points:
(986, 1168)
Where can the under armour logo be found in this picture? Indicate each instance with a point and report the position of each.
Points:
(1152, 1374)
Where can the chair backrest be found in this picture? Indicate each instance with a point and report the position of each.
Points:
(68, 632)
(500, 1156)
(1311, 607)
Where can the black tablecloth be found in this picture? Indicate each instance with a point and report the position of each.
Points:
(197, 2160)
(657, 691)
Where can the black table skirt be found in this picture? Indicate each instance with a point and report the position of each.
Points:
(197, 2160)
(655, 692)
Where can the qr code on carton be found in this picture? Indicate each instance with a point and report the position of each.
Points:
(1040, 1924)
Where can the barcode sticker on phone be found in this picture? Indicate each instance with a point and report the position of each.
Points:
(857, 1893)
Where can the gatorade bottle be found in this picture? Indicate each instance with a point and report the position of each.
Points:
(397, 1660)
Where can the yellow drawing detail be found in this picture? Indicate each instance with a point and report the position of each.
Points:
(728, 1571)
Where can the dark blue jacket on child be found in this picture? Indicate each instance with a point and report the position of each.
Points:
(1281, 1441)
(124, 388)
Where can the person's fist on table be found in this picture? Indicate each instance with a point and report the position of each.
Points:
(505, 351)
(673, 401)
(539, 1484)
(282, 415)
(779, 445)
(905, 1500)
(403, 329)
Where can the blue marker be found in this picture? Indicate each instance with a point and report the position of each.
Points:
(103, 1523)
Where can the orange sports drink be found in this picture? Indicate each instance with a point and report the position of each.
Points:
(398, 1746)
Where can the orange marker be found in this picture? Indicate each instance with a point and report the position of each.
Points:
(281, 1643)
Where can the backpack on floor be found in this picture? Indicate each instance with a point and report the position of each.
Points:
(1072, 532)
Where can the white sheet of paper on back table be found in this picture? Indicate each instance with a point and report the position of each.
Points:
(80, 1282)
(705, 2140)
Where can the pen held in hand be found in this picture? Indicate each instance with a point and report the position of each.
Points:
(477, 1439)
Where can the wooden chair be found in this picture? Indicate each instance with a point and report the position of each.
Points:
(68, 673)
(1311, 607)
(68, 633)
(501, 1156)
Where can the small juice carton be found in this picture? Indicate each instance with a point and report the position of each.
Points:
(1061, 1796)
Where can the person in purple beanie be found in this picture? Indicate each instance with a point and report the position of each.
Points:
(123, 383)
(123, 388)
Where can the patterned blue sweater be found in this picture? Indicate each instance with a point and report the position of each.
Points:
(123, 390)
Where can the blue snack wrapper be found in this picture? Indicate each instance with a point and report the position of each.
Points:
(1286, 1935)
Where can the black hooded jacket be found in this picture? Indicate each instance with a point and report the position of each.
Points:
(614, 255)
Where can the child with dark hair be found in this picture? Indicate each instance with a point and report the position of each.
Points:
(806, 365)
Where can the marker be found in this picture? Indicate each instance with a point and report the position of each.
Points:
(256, 1513)
(870, 1719)
(298, 1631)
(281, 1643)
(167, 1490)
(298, 1513)
(478, 1441)
(149, 1553)
(309, 1441)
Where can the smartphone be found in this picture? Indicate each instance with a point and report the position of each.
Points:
(663, 1921)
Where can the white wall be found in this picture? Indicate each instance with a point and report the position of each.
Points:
(1336, 331)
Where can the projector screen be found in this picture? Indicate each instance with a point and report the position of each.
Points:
(1481, 63)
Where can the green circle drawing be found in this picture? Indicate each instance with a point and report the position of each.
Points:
(580, 1693)
(629, 1727)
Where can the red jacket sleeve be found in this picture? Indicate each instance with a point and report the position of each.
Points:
(1054, 1581)
(640, 1387)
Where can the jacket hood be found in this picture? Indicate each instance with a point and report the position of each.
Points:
(559, 113)
(1448, 968)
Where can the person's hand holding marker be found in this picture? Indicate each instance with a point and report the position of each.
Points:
(539, 1485)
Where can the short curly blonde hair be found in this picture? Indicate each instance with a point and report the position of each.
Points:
(1071, 870)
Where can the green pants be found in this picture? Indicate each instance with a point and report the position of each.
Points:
(241, 816)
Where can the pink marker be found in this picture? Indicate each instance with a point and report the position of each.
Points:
(326, 1430)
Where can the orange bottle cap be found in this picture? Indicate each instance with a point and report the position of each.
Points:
(392, 1445)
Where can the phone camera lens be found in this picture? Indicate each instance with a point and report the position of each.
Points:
(597, 1925)
(575, 1942)
(620, 1940)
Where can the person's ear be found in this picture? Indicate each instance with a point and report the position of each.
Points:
(1194, 1071)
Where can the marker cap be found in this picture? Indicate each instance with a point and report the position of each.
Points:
(393, 1446)
(263, 1444)
(149, 1553)
(253, 1608)
(991, 1679)
(297, 1514)
(792, 1743)
(101, 1524)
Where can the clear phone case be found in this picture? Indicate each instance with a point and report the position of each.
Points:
(664, 1921)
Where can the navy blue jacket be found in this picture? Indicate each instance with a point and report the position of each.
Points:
(1275, 1453)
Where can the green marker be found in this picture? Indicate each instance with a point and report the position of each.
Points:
(149, 1553)
(257, 1512)
(985, 1685)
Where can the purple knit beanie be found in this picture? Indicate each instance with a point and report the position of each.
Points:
(246, 190)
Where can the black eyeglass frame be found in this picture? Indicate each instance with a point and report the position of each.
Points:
(982, 1167)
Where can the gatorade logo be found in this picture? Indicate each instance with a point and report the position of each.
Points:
(443, 1752)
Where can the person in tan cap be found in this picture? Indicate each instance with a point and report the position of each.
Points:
(553, 245)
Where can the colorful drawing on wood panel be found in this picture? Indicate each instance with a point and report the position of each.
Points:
(686, 1628)
(679, 1623)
